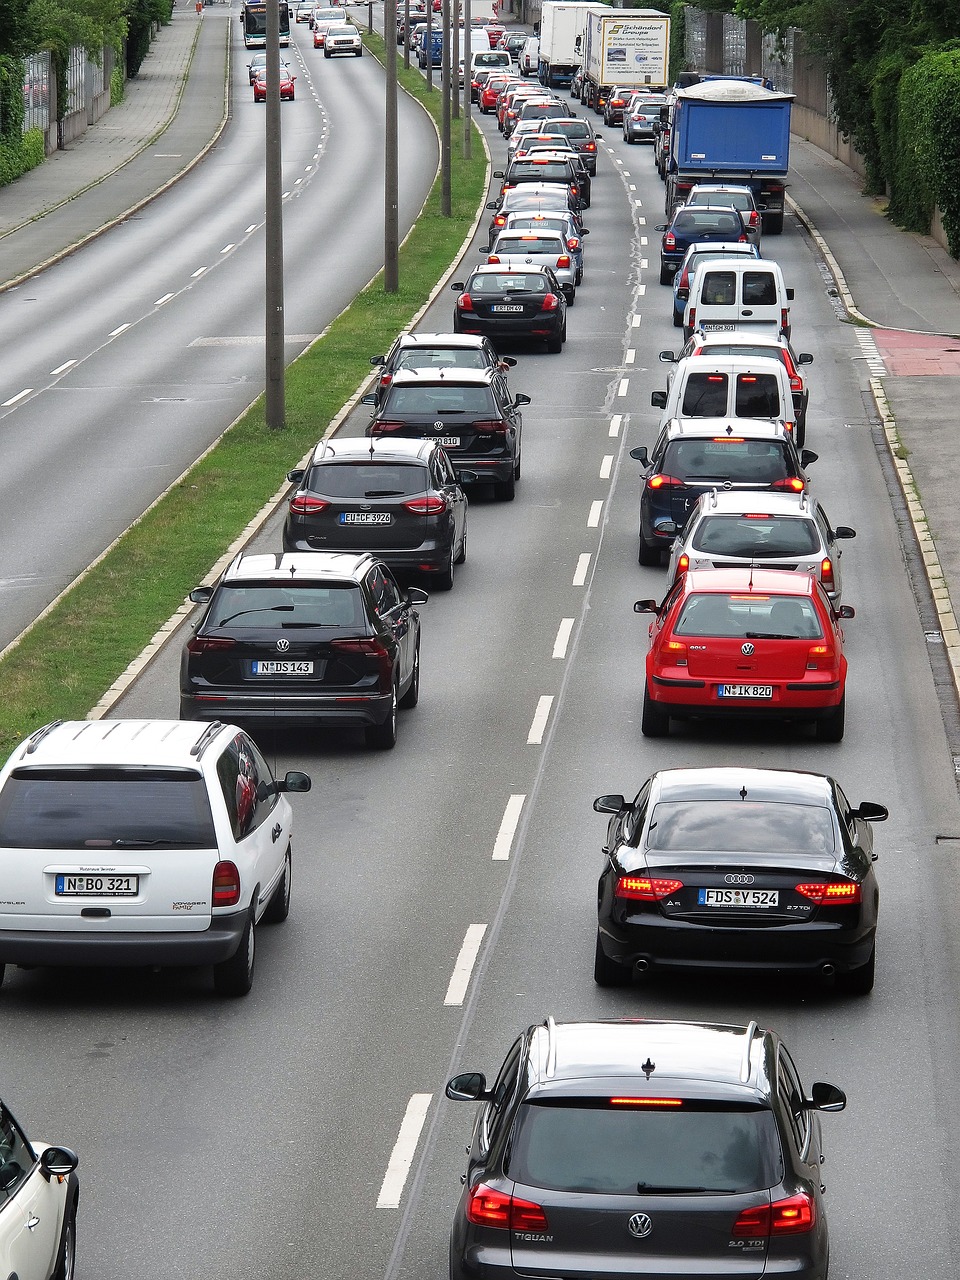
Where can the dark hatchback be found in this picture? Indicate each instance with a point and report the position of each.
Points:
(643, 1148)
(397, 499)
(696, 224)
(468, 412)
(690, 458)
(538, 169)
(432, 351)
(738, 869)
(541, 197)
(318, 640)
(501, 303)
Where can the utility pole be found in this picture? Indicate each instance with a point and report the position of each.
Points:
(455, 58)
(391, 177)
(273, 285)
(406, 35)
(446, 199)
(429, 40)
(467, 78)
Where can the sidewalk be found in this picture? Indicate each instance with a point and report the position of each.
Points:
(171, 115)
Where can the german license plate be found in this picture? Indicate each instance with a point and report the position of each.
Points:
(504, 306)
(97, 886)
(745, 691)
(448, 442)
(714, 326)
(365, 517)
(272, 667)
(738, 897)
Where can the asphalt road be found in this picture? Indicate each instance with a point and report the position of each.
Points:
(254, 1138)
(123, 363)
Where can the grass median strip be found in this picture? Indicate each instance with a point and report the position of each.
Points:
(61, 667)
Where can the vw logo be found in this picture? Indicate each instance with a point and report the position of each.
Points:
(438, 426)
(283, 646)
(747, 649)
(738, 879)
(639, 1226)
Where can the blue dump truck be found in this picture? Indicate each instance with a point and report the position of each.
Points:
(731, 131)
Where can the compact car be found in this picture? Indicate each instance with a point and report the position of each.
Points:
(615, 104)
(700, 224)
(144, 842)
(639, 1147)
(315, 639)
(433, 351)
(287, 84)
(511, 304)
(342, 38)
(559, 171)
(565, 223)
(742, 199)
(640, 116)
(739, 869)
(578, 134)
(534, 197)
(39, 1192)
(537, 248)
(550, 146)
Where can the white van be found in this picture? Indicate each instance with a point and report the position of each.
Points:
(727, 388)
(482, 57)
(738, 293)
(529, 57)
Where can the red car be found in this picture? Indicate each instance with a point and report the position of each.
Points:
(490, 92)
(286, 85)
(494, 32)
(745, 642)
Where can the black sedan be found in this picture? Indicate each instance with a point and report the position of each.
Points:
(513, 304)
(696, 224)
(398, 499)
(319, 640)
(738, 869)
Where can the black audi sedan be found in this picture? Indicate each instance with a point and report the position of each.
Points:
(313, 640)
(397, 499)
(470, 413)
(514, 303)
(738, 869)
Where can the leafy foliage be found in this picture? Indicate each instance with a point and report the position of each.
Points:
(927, 171)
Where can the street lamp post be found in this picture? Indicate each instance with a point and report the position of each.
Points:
(391, 216)
(273, 283)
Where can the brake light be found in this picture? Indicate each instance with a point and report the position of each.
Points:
(385, 425)
(305, 504)
(493, 259)
(563, 260)
(646, 1102)
(493, 426)
(693, 317)
(369, 647)
(669, 240)
(796, 382)
(684, 278)
(820, 657)
(784, 318)
(754, 219)
(683, 564)
(590, 146)
(573, 244)
(675, 652)
(226, 885)
(464, 302)
(646, 888)
(792, 1216)
(430, 506)
(550, 302)
(660, 481)
(487, 1207)
(209, 644)
(742, 239)
(720, 377)
(500, 220)
(826, 574)
(728, 439)
(793, 483)
(845, 891)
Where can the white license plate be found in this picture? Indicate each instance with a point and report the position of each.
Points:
(365, 517)
(267, 667)
(503, 306)
(714, 326)
(448, 442)
(738, 897)
(97, 886)
(745, 691)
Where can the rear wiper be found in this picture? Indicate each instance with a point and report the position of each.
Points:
(167, 844)
(274, 608)
(768, 635)
(383, 493)
(286, 626)
(648, 1188)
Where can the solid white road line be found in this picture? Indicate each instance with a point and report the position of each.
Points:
(606, 466)
(539, 726)
(583, 567)
(562, 640)
(403, 1152)
(508, 828)
(463, 969)
(19, 396)
(62, 368)
(119, 329)
(160, 301)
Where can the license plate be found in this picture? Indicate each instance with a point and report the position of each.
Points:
(264, 667)
(448, 442)
(745, 691)
(365, 517)
(738, 897)
(503, 306)
(97, 886)
(715, 326)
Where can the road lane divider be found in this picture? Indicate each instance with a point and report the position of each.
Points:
(19, 396)
(582, 569)
(121, 328)
(622, 389)
(463, 969)
(401, 1158)
(503, 844)
(596, 510)
(540, 717)
(563, 637)
(615, 424)
(62, 368)
(160, 301)
(606, 466)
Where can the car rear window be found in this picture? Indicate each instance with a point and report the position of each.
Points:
(756, 535)
(98, 808)
(692, 222)
(368, 479)
(775, 828)
(759, 289)
(749, 617)
(719, 289)
(449, 398)
(253, 606)
(442, 358)
(572, 129)
(705, 396)
(515, 282)
(539, 170)
(761, 462)
(735, 199)
(757, 396)
(522, 245)
(584, 1145)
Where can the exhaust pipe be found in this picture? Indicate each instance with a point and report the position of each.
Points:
(828, 970)
(641, 966)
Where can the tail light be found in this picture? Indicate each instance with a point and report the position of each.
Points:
(386, 379)
(305, 504)
(590, 146)
(742, 239)
(693, 317)
(563, 260)
(669, 240)
(827, 580)
(432, 505)
(226, 885)
(793, 483)
(683, 279)
(796, 382)
(573, 243)
(784, 318)
(493, 259)
(491, 426)
(661, 481)
(500, 220)
(792, 1216)
(821, 657)
(550, 302)
(384, 426)
(683, 564)
(464, 302)
(209, 644)
(371, 647)
(844, 891)
(754, 219)
(646, 888)
(675, 653)
(487, 1207)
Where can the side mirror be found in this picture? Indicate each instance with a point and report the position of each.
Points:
(807, 456)
(646, 606)
(469, 1086)
(370, 398)
(658, 399)
(468, 477)
(804, 358)
(493, 204)
(585, 231)
(458, 285)
(499, 173)
(640, 455)
(844, 531)
(521, 399)
(661, 226)
(846, 611)
(871, 812)
(825, 1097)
(294, 780)
(485, 248)
(296, 475)
(790, 295)
(508, 362)
(609, 804)
(378, 359)
(201, 595)
(667, 357)
(58, 1162)
(415, 595)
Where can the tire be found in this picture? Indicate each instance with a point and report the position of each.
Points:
(325, 54)
(677, 320)
(606, 972)
(383, 737)
(358, 54)
(278, 908)
(654, 723)
(578, 278)
(666, 275)
(830, 728)
(802, 430)
(648, 554)
(505, 490)
(859, 982)
(67, 1253)
(571, 297)
(3, 970)
(234, 977)
(461, 558)
(444, 581)
(773, 224)
(554, 347)
(412, 696)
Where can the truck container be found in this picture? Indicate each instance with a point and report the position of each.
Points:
(562, 30)
(730, 131)
(630, 48)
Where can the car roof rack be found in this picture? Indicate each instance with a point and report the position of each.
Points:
(208, 735)
(36, 738)
(551, 1026)
(752, 1030)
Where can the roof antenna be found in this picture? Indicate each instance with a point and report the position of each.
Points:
(743, 793)
(648, 1067)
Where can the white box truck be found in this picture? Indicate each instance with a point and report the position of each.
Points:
(562, 34)
(630, 48)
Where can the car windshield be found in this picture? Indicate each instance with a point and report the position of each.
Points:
(429, 401)
(105, 808)
(253, 606)
(586, 1145)
(367, 479)
(775, 828)
(749, 616)
(756, 535)
(760, 462)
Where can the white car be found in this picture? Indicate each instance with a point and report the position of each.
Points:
(38, 1206)
(143, 842)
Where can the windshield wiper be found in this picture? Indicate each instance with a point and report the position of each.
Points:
(768, 635)
(383, 493)
(648, 1188)
(170, 844)
(274, 608)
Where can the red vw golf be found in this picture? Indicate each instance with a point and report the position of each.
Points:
(745, 642)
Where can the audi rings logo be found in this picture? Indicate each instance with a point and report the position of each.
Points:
(283, 646)
(639, 1226)
(739, 879)
(747, 649)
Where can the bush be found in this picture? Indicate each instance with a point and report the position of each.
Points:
(928, 162)
(117, 83)
(16, 158)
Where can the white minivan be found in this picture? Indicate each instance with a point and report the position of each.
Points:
(738, 293)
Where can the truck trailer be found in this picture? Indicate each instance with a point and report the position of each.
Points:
(629, 48)
(562, 32)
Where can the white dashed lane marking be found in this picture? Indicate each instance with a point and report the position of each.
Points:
(403, 1152)
(62, 368)
(583, 568)
(563, 638)
(508, 828)
(19, 396)
(463, 969)
(606, 466)
(540, 717)
(596, 510)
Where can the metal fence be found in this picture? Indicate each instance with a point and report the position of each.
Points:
(723, 43)
(36, 91)
(76, 77)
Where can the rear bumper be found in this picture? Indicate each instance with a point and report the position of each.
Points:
(432, 551)
(330, 711)
(124, 950)
(547, 325)
(791, 700)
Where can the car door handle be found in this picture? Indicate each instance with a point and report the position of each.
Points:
(33, 1222)
(276, 833)
(746, 313)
